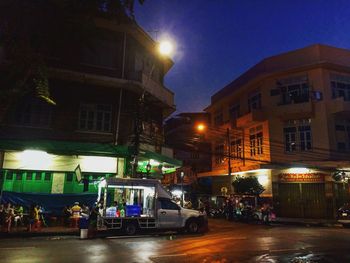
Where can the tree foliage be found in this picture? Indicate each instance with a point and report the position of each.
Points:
(247, 185)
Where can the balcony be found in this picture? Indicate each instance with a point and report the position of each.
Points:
(252, 118)
(339, 107)
(295, 110)
(154, 88)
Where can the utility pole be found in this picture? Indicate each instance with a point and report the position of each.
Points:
(229, 151)
(182, 174)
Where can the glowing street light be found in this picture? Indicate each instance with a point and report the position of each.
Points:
(165, 48)
(201, 127)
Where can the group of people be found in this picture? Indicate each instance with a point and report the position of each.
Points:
(238, 208)
(10, 214)
(13, 216)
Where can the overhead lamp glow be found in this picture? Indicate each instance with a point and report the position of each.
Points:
(165, 48)
(263, 179)
(34, 159)
(259, 171)
(177, 193)
(201, 127)
(154, 163)
(298, 170)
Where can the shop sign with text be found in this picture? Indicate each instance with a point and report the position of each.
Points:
(301, 178)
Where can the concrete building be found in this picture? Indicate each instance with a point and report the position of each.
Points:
(288, 121)
(98, 119)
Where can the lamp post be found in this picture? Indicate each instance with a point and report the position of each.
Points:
(148, 169)
(182, 188)
(229, 151)
(165, 48)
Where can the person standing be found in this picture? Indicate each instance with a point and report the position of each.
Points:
(76, 214)
(265, 212)
(18, 215)
(9, 214)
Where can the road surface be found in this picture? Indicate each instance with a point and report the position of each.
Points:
(225, 242)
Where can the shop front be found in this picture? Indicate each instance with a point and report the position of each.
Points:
(307, 193)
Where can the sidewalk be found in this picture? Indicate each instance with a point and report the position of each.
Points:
(44, 231)
(307, 222)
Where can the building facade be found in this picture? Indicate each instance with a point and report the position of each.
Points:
(286, 121)
(110, 105)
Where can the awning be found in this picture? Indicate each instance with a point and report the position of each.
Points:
(160, 158)
(66, 147)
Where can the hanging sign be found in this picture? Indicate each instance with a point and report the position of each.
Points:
(301, 178)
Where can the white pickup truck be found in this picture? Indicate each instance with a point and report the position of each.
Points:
(140, 204)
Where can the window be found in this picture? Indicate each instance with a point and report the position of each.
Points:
(342, 128)
(290, 139)
(236, 149)
(305, 137)
(29, 176)
(294, 90)
(168, 204)
(47, 177)
(69, 177)
(340, 86)
(95, 117)
(256, 141)
(38, 176)
(19, 176)
(219, 154)
(9, 175)
(33, 112)
(254, 102)
(234, 112)
(218, 118)
(297, 135)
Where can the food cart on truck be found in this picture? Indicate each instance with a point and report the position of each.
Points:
(131, 205)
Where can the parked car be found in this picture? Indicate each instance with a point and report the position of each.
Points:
(344, 215)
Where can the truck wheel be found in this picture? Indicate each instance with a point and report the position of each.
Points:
(130, 229)
(192, 227)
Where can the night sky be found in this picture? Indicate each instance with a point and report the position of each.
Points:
(217, 40)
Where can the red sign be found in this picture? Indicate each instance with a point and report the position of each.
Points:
(302, 178)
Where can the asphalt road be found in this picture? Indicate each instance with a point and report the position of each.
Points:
(225, 242)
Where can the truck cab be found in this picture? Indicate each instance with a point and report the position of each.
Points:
(143, 204)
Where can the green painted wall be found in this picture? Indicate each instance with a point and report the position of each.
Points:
(41, 182)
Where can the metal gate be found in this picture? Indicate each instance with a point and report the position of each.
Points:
(304, 200)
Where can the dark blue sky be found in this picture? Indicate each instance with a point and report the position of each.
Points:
(217, 40)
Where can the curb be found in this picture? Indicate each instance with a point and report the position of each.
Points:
(37, 234)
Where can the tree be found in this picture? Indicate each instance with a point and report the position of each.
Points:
(31, 29)
(247, 185)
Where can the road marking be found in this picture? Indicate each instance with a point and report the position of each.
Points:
(16, 247)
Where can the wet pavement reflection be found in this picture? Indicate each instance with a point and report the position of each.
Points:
(225, 242)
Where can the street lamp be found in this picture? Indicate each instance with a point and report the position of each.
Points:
(165, 47)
